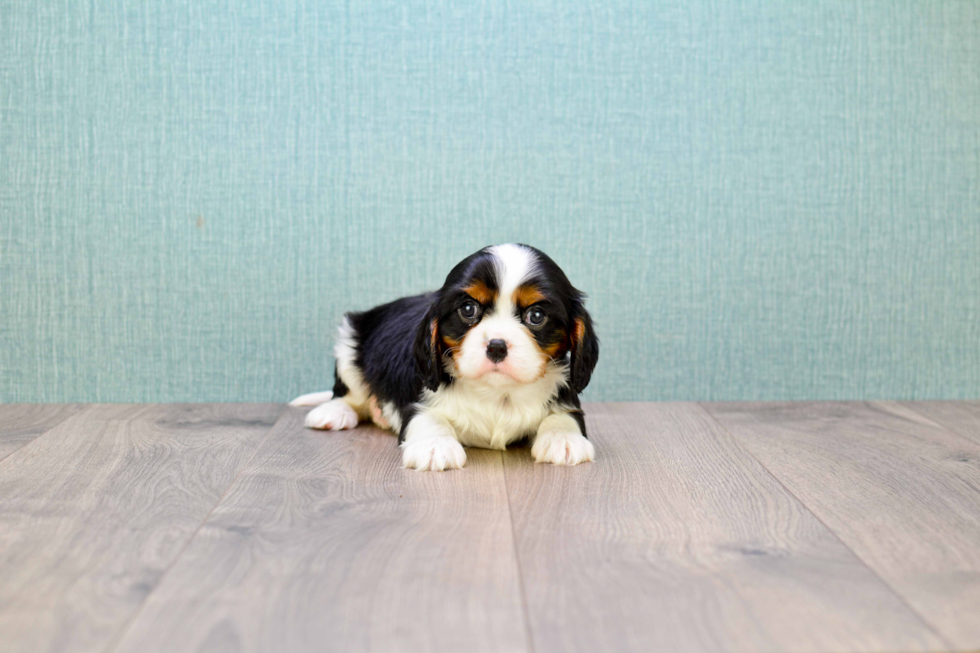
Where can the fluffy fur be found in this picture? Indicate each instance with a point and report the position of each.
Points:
(500, 353)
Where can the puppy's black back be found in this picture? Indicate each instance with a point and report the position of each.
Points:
(385, 340)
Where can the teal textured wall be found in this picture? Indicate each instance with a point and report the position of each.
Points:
(764, 199)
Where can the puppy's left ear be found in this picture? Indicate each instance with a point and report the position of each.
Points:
(428, 351)
(584, 346)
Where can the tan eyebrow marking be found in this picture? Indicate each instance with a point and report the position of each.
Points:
(527, 295)
(480, 292)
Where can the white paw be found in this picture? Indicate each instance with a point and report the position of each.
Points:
(562, 448)
(312, 399)
(334, 415)
(435, 453)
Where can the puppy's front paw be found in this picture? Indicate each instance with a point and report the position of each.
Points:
(334, 415)
(434, 454)
(562, 448)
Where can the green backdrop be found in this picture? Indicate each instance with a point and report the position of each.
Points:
(764, 199)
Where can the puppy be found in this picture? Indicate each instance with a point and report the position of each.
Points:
(499, 353)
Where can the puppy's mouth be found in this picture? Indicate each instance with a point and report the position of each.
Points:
(499, 374)
(498, 371)
(498, 380)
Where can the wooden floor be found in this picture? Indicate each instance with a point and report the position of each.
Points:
(700, 527)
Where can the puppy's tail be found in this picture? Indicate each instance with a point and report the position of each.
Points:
(312, 399)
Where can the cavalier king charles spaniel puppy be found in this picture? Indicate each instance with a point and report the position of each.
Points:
(500, 353)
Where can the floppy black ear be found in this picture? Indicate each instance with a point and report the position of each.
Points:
(584, 347)
(428, 351)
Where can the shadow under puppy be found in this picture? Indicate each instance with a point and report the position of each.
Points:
(499, 353)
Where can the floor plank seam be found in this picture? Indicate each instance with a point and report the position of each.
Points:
(928, 624)
(938, 425)
(127, 626)
(517, 559)
(34, 439)
(42, 434)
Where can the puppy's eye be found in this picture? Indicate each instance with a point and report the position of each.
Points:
(534, 316)
(469, 311)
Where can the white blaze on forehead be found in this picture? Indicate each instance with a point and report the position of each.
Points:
(514, 264)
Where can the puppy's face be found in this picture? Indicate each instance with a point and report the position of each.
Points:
(502, 316)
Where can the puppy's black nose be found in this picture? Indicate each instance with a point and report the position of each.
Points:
(497, 350)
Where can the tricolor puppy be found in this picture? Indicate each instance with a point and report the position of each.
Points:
(499, 353)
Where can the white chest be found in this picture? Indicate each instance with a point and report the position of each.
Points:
(492, 418)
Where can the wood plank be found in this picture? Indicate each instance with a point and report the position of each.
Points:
(676, 540)
(94, 512)
(960, 417)
(901, 492)
(21, 423)
(326, 542)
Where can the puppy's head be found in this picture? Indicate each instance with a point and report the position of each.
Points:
(504, 314)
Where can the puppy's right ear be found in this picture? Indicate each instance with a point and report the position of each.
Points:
(428, 351)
